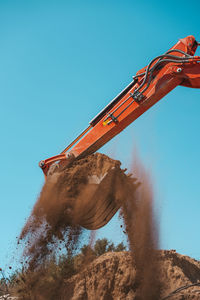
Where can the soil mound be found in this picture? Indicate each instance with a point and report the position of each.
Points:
(112, 276)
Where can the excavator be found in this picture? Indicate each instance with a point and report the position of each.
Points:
(177, 66)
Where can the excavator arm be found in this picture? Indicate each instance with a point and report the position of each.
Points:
(178, 66)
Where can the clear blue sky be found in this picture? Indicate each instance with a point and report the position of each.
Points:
(63, 61)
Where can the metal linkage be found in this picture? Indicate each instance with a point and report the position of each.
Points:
(137, 95)
(109, 114)
(77, 139)
(169, 51)
(182, 61)
(161, 59)
(110, 105)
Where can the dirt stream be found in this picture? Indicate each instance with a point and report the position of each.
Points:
(87, 194)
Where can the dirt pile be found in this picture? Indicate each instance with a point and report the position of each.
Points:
(112, 277)
(87, 194)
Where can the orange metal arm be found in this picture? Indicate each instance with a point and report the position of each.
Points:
(178, 66)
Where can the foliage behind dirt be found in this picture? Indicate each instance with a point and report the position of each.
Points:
(48, 279)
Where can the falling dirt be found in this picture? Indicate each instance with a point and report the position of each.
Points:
(142, 232)
(86, 194)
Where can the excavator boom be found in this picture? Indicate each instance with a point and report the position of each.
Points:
(178, 66)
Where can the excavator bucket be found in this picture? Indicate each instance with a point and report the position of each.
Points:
(102, 199)
(90, 191)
